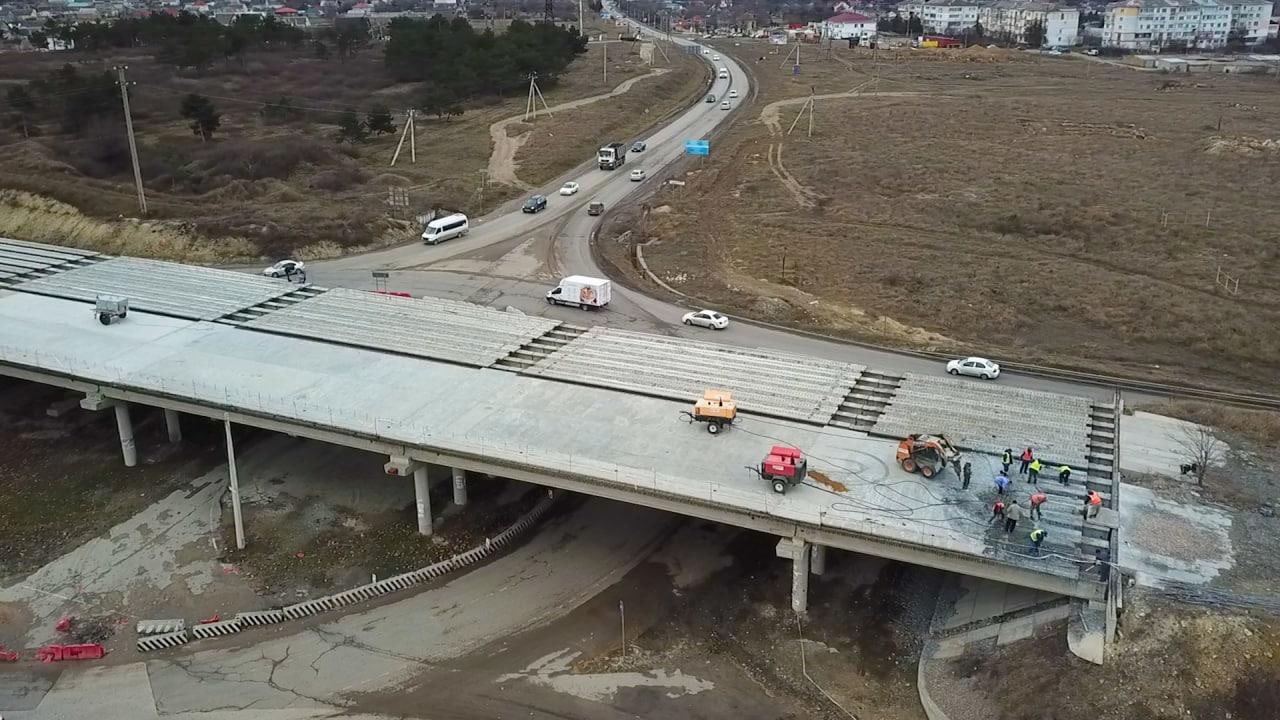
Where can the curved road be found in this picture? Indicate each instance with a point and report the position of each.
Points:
(510, 258)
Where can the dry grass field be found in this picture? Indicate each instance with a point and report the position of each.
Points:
(267, 188)
(1052, 210)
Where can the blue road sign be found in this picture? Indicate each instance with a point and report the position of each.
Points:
(795, 69)
(697, 147)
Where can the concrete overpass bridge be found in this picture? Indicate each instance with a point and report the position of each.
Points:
(428, 381)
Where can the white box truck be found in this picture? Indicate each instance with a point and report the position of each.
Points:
(585, 292)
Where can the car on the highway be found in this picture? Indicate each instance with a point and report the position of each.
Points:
(537, 203)
(569, 188)
(715, 58)
(638, 146)
(637, 175)
(974, 367)
(595, 207)
(733, 93)
(284, 268)
(725, 105)
(706, 318)
(711, 98)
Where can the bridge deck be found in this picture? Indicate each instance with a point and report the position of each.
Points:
(616, 440)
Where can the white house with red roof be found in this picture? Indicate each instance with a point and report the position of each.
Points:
(848, 26)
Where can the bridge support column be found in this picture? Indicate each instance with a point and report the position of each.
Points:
(818, 560)
(422, 492)
(799, 553)
(173, 425)
(125, 424)
(235, 486)
(398, 466)
(459, 486)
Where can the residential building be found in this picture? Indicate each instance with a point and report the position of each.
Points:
(1010, 19)
(1198, 24)
(850, 26)
(946, 17)
(1252, 20)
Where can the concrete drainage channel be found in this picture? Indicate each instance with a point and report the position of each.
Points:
(162, 634)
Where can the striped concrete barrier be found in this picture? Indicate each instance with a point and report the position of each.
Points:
(159, 642)
(215, 629)
(260, 617)
(160, 627)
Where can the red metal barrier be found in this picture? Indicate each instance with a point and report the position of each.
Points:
(393, 293)
(57, 653)
(8, 655)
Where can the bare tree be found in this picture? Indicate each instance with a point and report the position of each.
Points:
(1200, 448)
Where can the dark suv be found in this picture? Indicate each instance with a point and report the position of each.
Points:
(537, 203)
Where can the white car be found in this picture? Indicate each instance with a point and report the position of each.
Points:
(725, 105)
(733, 93)
(569, 188)
(716, 58)
(974, 366)
(284, 268)
(637, 175)
(706, 318)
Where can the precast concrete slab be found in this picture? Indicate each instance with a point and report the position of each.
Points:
(19, 258)
(588, 439)
(427, 327)
(766, 382)
(988, 417)
(184, 291)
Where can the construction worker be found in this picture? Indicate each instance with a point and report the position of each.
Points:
(1034, 476)
(1064, 474)
(966, 475)
(1092, 504)
(1037, 537)
(997, 510)
(1012, 514)
(1037, 499)
(1027, 457)
(1002, 483)
(1007, 459)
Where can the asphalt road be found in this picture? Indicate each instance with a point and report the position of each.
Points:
(510, 258)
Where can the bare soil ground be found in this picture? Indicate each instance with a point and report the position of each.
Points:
(1172, 661)
(1048, 210)
(861, 641)
(268, 188)
(299, 547)
(62, 480)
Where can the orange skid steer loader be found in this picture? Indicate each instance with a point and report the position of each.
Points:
(926, 454)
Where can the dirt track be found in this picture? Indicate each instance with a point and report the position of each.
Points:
(502, 164)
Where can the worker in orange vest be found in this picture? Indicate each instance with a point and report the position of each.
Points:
(997, 510)
(1038, 499)
(1093, 503)
(1027, 457)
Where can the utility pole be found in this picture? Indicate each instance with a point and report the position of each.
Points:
(606, 62)
(535, 94)
(408, 132)
(133, 145)
(581, 32)
(484, 182)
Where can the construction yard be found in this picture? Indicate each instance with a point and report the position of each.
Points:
(1044, 209)
(275, 182)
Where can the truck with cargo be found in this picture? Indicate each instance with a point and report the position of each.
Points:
(612, 156)
(585, 292)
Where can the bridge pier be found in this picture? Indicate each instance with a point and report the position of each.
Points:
(402, 467)
(173, 424)
(234, 481)
(124, 424)
(818, 561)
(459, 486)
(799, 552)
(422, 492)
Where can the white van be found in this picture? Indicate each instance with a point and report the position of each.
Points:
(724, 74)
(445, 228)
(585, 292)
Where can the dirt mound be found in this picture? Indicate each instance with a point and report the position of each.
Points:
(1243, 145)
